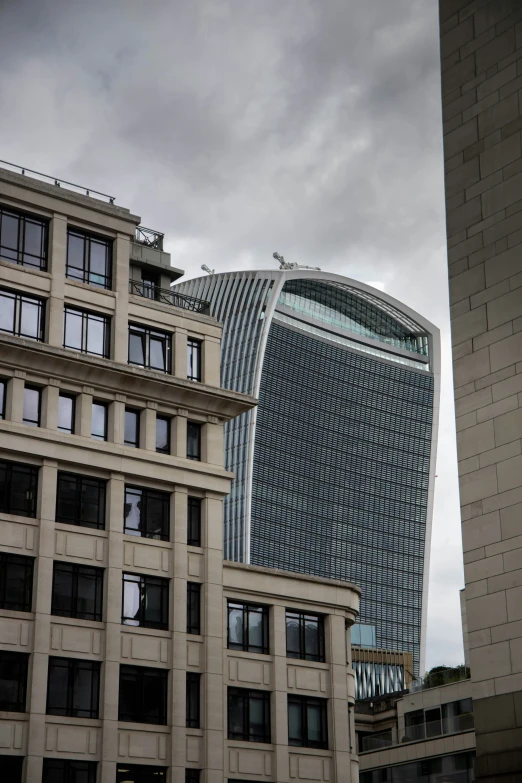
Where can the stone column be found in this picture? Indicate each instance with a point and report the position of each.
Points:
(338, 729)
(179, 439)
(84, 412)
(178, 621)
(279, 709)
(120, 324)
(179, 365)
(58, 255)
(148, 427)
(213, 442)
(116, 432)
(50, 404)
(15, 397)
(211, 361)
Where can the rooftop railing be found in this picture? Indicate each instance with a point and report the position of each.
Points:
(438, 728)
(376, 741)
(165, 295)
(149, 238)
(434, 679)
(58, 182)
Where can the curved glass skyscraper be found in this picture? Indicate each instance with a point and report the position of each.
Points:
(335, 468)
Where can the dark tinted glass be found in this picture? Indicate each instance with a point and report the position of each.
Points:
(192, 775)
(16, 582)
(3, 387)
(248, 715)
(193, 607)
(66, 411)
(149, 348)
(247, 627)
(194, 522)
(77, 591)
(89, 259)
(18, 486)
(193, 700)
(132, 428)
(145, 601)
(305, 636)
(13, 681)
(162, 435)
(307, 722)
(68, 771)
(86, 332)
(140, 773)
(143, 695)
(80, 500)
(11, 768)
(23, 239)
(193, 359)
(73, 687)
(146, 513)
(99, 420)
(32, 406)
(193, 440)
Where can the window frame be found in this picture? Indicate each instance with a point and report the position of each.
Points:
(196, 426)
(105, 406)
(194, 526)
(303, 702)
(72, 667)
(146, 582)
(194, 608)
(31, 422)
(147, 494)
(168, 422)
(247, 695)
(3, 397)
(194, 352)
(302, 654)
(6, 500)
(23, 218)
(193, 701)
(21, 661)
(19, 299)
(72, 398)
(88, 238)
(101, 487)
(7, 561)
(192, 775)
(140, 773)
(86, 317)
(145, 333)
(68, 768)
(78, 570)
(141, 674)
(247, 607)
(137, 413)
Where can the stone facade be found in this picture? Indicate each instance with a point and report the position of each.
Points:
(32, 733)
(481, 52)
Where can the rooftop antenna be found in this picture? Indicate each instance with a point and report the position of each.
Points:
(284, 265)
(207, 270)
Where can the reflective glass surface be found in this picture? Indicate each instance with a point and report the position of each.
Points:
(66, 411)
(23, 239)
(99, 420)
(32, 402)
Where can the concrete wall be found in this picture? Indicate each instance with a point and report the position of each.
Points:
(481, 50)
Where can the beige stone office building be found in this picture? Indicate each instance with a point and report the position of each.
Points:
(481, 51)
(129, 652)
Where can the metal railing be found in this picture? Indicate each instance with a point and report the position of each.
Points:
(377, 741)
(165, 295)
(58, 182)
(438, 728)
(149, 237)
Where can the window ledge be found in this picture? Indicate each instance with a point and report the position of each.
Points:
(38, 272)
(90, 531)
(312, 751)
(15, 614)
(129, 538)
(89, 287)
(14, 715)
(140, 631)
(156, 728)
(78, 622)
(87, 722)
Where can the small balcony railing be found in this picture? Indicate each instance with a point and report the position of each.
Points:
(437, 728)
(149, 238)
(377, 741)
(165, 295)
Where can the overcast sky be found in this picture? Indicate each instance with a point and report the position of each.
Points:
(240, 127)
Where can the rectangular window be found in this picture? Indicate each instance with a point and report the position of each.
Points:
(149, 284)
(162, 435)
(193, 440)
(73, 688)
(23, 238)
(18, 486)
(13, 681)
(145, 601)
(149, 348)
(248, 715)
(146, 513)
(89, 258)
(11, 767)
(32, 406)
(16, 582)
(80, 500)
(66, 413)
(194, 359)
(68, 771)
(304, 636)
(132, 428)
(21, 315)
(143, 695)
(192, 775)
(77, 591)
(86, 332)
(193, 700)
(100, 418)
(194, 522)
(3, 389)
(247, 627)
(307, 722)
(193, 607)
(140, 773)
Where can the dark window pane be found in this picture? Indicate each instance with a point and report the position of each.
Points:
(307, 722)
(66, 412)
(89, 259)
(96, 335)
(11, 767)
(13, 681)
(86, 332)
(23, 239)
(193, 440)
(248, 627)
(132, 428)
(73, 330)
(3, 386)
(158, 357)
(80, 500)
(30, 318)
(193, 700)
(7, 312)
(143, 695)
(68, 771)
(21, 315)
(248, 715)
(75, 256)
(140, 773)
(194, 522)
(16, 582)
(136, 348)
(73, 687)
(305, 636)
(99, 420)
(146, 513)
(193, 607)
(162, 435)
(149, 348)
(32, 400)
(192, 775)
(18, 485)
(145, 601)
(194, 359)
(77, 591)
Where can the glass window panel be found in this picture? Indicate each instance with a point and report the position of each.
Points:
(92, 502)
(30, 318)
(87, 594)
(157, 354)
(255, 629)
(7, 312)
(256, 717)
(96, 335)
(33, 240)
(154, 614)
(66, 413)
(314, 723)
(312, 636)
(16, 582)
(131, 599)
(162, 435)
(85, 690)
(98, 263)
(293, 640)
(236, 716)
(9, 234)
(295, 724)
(73, 329)
(235, 625)
(137, 348)
(62, 590)
(75, 256)
(31, 414)
(131, 428)
(99, 421)
(133, 503)
(57, 689)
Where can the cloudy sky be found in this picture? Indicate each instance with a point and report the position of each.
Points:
(240, 127)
